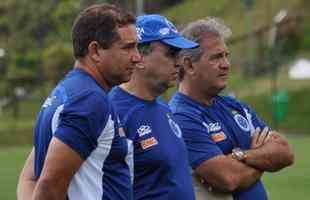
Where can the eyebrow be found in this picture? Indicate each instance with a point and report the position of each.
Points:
(129, 44)
(219, 55)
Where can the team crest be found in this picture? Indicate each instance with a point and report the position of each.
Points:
(242, 122)
(174, 127)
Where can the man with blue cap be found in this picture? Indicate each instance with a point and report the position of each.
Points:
(161, 168)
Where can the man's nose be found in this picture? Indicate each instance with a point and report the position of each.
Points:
(136, 57)
(225, 62)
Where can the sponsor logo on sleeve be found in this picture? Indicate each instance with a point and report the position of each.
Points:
(149, 142)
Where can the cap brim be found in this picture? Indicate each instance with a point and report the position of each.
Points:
(180, 42)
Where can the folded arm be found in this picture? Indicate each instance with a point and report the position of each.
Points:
(225, 174)
(272, 156)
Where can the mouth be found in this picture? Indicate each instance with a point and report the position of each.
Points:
(223, 76)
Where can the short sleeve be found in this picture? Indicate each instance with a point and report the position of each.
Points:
(199, 145)
(82, 121)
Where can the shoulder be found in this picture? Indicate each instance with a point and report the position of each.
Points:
(181, 104)
(231, 102)
(124, 104)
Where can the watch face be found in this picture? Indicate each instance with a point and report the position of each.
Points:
(238, 154)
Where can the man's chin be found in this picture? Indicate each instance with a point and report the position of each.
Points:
(126, 79)
(220, 88)
(121, 80)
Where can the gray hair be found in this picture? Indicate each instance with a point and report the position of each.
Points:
(198, 29)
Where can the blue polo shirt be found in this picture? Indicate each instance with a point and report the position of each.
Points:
(161, 169)
(215, 130)
(78, 113)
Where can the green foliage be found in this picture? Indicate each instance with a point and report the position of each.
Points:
(244, 20)
(298, 113)
(30, 29)
(57, 60)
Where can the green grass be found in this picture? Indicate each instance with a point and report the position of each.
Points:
(12, 161)
(290, 183)
(293, 182)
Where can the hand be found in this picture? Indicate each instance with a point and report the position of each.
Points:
(260, 137)
(277, 137)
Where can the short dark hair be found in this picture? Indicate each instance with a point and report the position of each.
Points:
(98, 23)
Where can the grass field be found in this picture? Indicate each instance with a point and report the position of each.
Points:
(291, 183)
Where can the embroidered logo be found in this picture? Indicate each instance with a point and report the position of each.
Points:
(218, 137)
(242, 122)
(144, 130)
(212, 127)
(140, 32)
(149, 142)
(164, 31)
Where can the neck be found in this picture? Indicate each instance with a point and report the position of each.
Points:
(139, 88)
(89, 67)
(196, 94)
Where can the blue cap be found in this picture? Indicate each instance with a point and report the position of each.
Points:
(158, 28)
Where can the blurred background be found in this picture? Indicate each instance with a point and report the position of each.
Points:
(270, 56)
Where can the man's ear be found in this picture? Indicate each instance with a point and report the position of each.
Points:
(93, 51)
(188, 65)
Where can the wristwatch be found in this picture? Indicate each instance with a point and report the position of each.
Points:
(238, 154)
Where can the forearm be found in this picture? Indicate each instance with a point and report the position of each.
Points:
(25, 190)
(226, 174)
(47, 191)
(271, 157)
(245, 175)
(26, 182)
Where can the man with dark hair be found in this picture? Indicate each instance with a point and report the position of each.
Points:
(161, 169)
(229, 146)
(80, 151)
